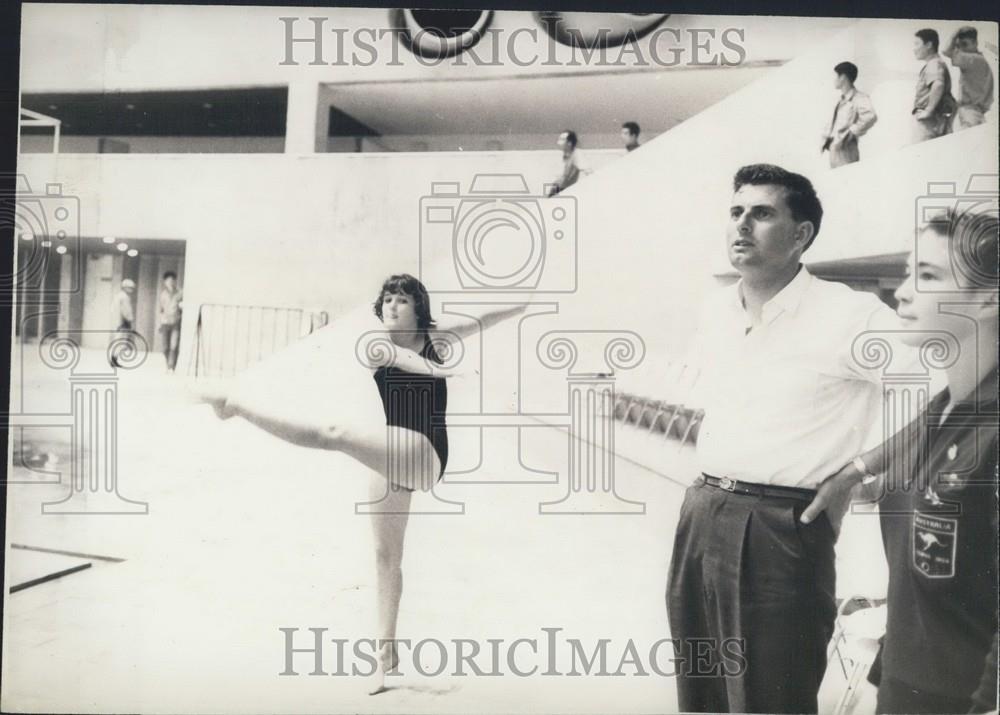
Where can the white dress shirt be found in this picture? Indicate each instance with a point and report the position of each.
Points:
(787, 403)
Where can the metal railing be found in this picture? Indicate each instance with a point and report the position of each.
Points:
(671, 416)
(673, 421)
(230, 338)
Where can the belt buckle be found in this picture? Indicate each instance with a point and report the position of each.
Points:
(728, 484)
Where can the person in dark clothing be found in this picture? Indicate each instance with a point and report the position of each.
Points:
(937, 499)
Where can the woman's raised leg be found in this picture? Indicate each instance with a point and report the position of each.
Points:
(404, 457)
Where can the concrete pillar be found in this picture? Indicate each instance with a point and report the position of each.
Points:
(307, 119)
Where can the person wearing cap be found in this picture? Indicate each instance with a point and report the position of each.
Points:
(122, 315)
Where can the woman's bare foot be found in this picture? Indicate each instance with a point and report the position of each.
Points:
(388, 661)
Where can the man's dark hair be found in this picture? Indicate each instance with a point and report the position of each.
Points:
(928, 35)
(570, 136)
(968, 33)
(632, 127)
(169, 274)
(848, 69)
(799, 192)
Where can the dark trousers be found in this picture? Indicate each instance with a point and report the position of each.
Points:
(747, 577)
(897, 697)
(171, 343)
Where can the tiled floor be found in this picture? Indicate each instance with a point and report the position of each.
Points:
(246, 535)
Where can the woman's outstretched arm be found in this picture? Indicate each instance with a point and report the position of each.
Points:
(471, 326)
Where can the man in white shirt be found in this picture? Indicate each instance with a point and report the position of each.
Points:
(786, 405)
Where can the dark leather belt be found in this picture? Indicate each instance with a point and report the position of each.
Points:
(758, 490)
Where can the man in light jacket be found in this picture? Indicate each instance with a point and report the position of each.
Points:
(852, 117)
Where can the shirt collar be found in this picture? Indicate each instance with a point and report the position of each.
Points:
(787, 299)
(849, 94)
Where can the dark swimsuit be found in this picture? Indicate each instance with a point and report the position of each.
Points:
(417, 402)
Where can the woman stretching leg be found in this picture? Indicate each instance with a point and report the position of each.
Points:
(408, 454)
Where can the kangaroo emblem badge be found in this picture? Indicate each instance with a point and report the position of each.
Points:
(934, 541)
